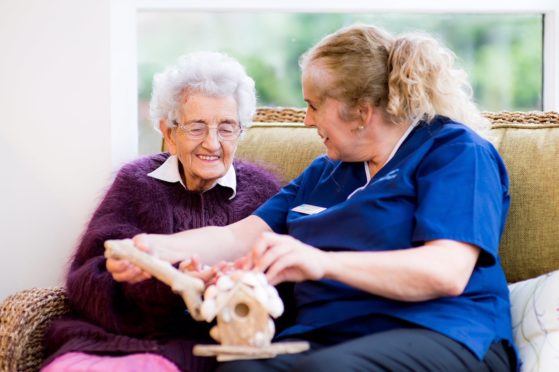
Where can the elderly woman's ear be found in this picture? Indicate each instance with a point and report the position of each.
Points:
(167, 132)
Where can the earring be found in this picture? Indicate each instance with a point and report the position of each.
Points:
(359, 128)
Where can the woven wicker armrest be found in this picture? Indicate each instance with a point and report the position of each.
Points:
(24, 317)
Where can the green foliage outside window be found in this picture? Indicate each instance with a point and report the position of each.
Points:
(501, 53)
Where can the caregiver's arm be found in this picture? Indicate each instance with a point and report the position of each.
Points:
(210, 245)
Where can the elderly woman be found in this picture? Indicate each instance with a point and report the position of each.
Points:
(392, 238)
(201, 105)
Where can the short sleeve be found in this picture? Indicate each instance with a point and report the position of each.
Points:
(274, 211)
(462, 192)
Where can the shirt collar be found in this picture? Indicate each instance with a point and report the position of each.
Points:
(394, 150)
(169, 172)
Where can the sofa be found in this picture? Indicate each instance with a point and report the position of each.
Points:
(529, 145)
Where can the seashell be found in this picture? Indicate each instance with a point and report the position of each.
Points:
(275, 307)
(261, 295)
(250, 278)
(262, 278)
(224, 283)
(272, 291)
(210, 293)
(208, 310)
(259, 340)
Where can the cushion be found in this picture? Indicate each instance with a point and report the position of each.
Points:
(535, 320)
(286, 148)
(531, 154)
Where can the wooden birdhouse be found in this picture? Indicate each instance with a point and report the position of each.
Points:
(243, 304)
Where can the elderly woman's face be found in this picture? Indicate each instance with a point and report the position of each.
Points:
(206, 159)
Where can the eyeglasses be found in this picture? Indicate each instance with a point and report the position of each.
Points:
(197, 131)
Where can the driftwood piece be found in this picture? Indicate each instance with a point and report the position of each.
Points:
(225, 353)
(187, 286)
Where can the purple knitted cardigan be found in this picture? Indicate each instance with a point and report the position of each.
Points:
(111, 318)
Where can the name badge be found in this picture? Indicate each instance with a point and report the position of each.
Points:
(308, 209)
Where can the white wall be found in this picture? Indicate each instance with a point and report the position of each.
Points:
(55, 133)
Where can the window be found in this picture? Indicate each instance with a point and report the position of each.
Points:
(502, 52)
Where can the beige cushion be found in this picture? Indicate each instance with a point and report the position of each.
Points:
(286, 148)
(530, 245)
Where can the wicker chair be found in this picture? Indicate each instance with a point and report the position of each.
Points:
(26, 315)
(24, 318)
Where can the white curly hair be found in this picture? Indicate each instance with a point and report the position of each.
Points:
(209, 73)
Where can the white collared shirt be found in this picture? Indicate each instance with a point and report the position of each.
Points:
(169, 172)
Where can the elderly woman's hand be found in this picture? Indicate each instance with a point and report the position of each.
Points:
(124, 271)
(157, 245)
(284, 258)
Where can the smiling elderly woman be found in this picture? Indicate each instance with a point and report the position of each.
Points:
(201, 105)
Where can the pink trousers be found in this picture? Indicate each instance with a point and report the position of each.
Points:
(81, 362)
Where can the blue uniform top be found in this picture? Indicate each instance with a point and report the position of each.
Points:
(444, 182)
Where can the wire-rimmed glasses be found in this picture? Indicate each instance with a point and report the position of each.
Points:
(198, 131)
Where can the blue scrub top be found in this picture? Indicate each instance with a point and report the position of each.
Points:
(444, 182)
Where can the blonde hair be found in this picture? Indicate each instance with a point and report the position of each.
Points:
(411, 76)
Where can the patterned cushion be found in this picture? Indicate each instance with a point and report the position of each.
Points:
(535, 319)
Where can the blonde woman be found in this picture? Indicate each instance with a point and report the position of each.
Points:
(392, 238)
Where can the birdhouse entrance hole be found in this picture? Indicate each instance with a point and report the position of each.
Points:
(242, 310)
